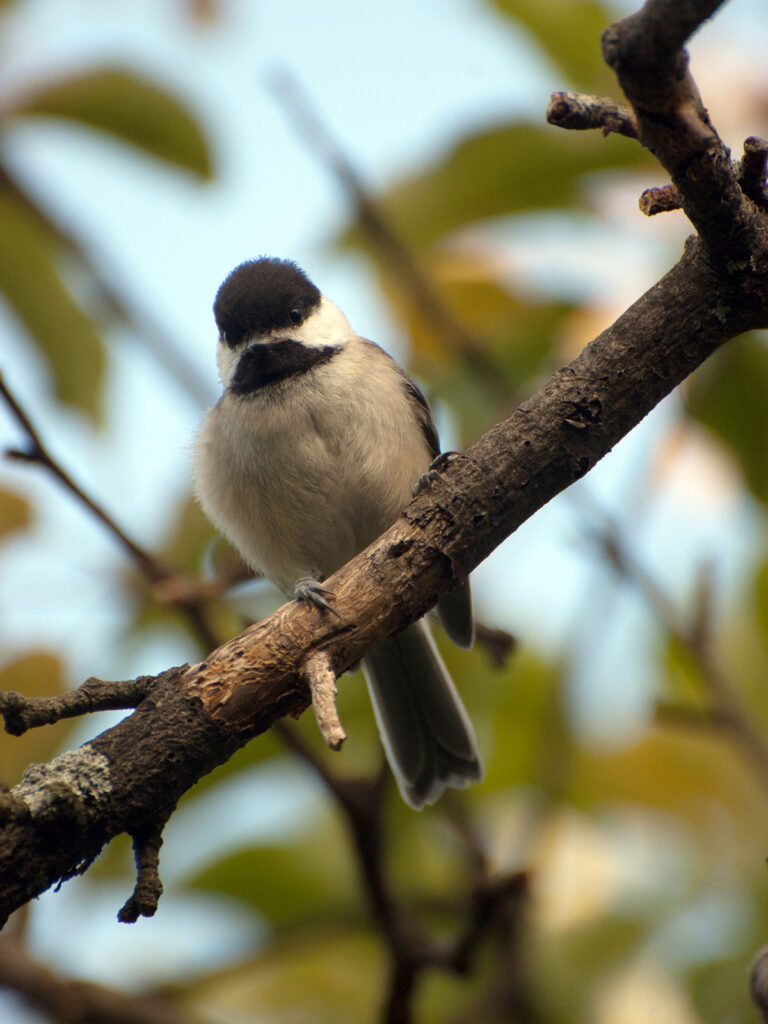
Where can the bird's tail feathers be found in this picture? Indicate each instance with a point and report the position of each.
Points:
(427, 735)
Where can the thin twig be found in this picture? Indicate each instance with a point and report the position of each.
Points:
(37, 452)
(412, 951)
(660, 199)
(498, 644)
(151, 568)
(582, 111)
(318, 673)
(146, 894)
(750, 174)
(21, 712)
(415, 284)
(727, 712)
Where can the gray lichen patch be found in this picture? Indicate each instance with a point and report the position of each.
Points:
(79, 780)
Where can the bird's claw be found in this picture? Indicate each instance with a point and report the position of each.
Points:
(434, 471)
(314, 593)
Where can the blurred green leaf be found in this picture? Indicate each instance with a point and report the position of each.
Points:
(513, 168)
(728, 395)
(761, 601)
(567, 964)
(134, 110)
(569, 32)
(310, 880)
(520, 708)
(509, 339)
(15, 513)
(719, 988)
(330, 975)
(188, 534)
(30, 282)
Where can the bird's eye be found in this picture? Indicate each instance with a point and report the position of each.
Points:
(295, 316)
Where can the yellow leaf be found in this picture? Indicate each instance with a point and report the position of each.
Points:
(38, 674)
(15, 513)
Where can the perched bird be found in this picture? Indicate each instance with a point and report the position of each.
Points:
(312, 451)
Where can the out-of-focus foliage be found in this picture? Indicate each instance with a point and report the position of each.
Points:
(326, 974)
(39, 254)
(513, 168)
(728, 395)
(15, 513)
(128, 107)
(646, 852)
(496, 172)
(68, 336)
(38, 674)
(569, 34)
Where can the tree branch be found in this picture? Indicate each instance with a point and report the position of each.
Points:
(21, 713)
(645, 51)
(750, 174)
(78, 1002)
(582, 111)
(412, 951)
(148, 889)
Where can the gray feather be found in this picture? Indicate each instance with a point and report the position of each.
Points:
(427, 734)
(455, 612)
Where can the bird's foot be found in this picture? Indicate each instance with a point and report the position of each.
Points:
(434, 471)
(314, 593)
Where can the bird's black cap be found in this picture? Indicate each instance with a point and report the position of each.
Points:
(261, 296)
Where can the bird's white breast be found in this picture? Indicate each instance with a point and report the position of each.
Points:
(302, 475)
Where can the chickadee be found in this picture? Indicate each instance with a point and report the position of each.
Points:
(312, 452)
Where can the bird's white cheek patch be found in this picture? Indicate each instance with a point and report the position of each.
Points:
(226, 360)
